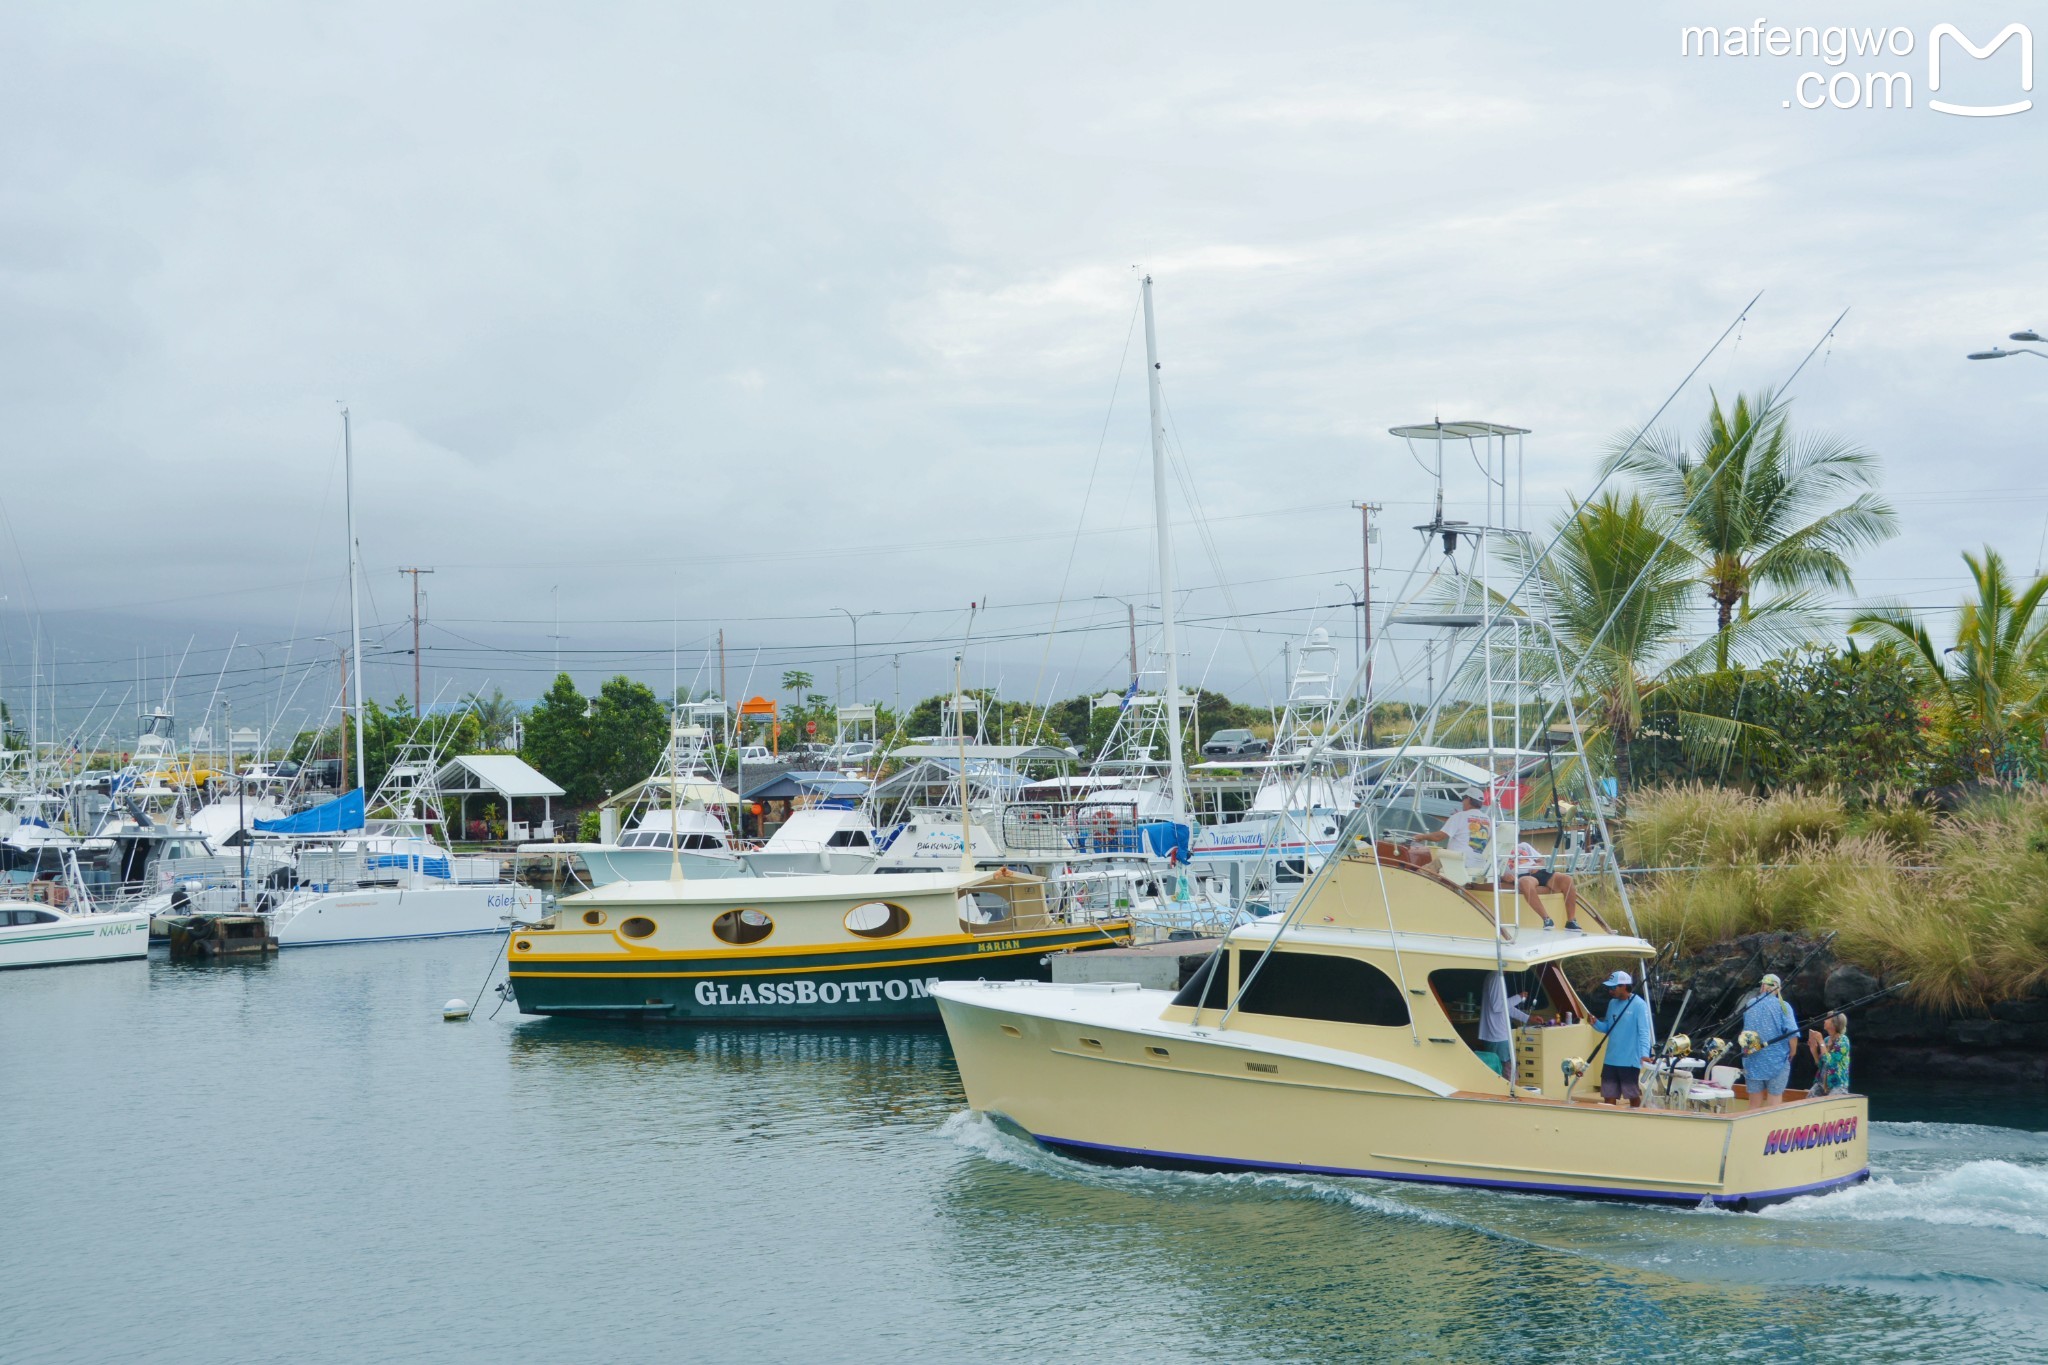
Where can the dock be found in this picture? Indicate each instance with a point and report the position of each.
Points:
(206, 938)
(1164, 966)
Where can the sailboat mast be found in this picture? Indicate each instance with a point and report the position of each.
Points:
(355, 607)
(1159, 512)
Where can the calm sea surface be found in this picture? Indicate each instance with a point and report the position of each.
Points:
(299, 1161)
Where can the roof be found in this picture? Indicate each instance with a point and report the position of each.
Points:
(692, 789)
(1009, 753)
(784, 786)
(506, 774)
(850, 887)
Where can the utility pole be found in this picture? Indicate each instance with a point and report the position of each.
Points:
(555, 595)
(1131, 619)
(1365, 511)
(418, 705)
(723, 699)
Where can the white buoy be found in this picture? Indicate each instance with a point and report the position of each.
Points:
(455, 1009)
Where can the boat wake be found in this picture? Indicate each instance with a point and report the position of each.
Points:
(987, 1138)
(1981, 1194)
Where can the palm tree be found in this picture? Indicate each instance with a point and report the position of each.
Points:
(1619, 584)
(1754, 503)
(2000, 677)
(497, 717)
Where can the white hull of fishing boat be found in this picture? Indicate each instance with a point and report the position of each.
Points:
(608, 863)
(377, 914)
(54, 937)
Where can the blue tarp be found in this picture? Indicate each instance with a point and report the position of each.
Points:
(344, 812)
(1162, 835)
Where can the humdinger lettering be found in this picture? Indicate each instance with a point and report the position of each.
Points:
(1813, 1135)
(808, 992)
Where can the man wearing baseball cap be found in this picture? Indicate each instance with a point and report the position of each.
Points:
(1765, 1070)
(1630, 1041)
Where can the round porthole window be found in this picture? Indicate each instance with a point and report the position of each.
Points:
(743, 926)
(877, 919)
(637, 927)
(593, 917)
(522, 945)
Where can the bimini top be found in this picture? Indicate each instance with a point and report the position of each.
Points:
(1002, 753)
(1454, 431)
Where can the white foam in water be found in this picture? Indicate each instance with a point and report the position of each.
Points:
(1979, 1194)
(984, 1137)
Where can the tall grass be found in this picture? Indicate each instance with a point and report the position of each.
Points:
(1958, 905)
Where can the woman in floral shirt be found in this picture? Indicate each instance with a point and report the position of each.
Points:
(1830, 1055)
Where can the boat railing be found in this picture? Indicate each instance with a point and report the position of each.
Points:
(1073, 827)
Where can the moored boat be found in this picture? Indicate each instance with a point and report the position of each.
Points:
(813, 949)
(1342, 1041)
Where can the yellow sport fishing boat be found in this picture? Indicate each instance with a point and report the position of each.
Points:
(1339, 1040)
(816, 949)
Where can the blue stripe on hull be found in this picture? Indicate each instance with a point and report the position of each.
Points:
(1141, 1156)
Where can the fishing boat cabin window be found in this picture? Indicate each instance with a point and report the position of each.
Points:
(877, 919)
(1342, 990)
(848, 838)
(743, 926)
(1460, 991)
(637, 927)
(1209, 987)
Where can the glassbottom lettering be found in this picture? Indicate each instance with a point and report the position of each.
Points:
(807, 992)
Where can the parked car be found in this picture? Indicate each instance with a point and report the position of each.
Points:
(755, 753)
(324, 773)
(1234, 744)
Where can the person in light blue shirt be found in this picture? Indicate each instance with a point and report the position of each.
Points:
(1765, 1070)
(1630, 1041)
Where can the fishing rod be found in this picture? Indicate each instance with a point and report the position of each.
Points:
(1725, 1020)
(1605, 1034)
(1722, 1048)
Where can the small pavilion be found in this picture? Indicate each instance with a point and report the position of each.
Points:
(509, 780)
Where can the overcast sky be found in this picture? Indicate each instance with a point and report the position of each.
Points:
(741, 314)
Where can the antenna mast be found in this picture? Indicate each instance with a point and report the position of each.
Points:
(1159, 511)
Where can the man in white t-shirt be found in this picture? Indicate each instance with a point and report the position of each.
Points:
(1531, 880)
(1466, 833)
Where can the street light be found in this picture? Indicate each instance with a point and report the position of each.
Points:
(2000, 352)
(1131, 618)
(2029, 335)
(854, 621)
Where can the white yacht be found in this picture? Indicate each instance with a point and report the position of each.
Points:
(671, 819)
(59, 922)
(817, 839)
(34, 935)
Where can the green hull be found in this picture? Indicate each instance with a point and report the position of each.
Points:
(830, 988)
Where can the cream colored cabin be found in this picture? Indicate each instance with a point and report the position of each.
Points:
(1344, 1043)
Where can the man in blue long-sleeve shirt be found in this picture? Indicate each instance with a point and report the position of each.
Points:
(1630, 1041)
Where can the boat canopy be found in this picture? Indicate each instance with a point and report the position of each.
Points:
(344, 812)
(1002, 753)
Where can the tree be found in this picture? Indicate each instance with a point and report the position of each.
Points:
(1620, 588)
(557, 739)
(796, 682)
(1999, 679)
(628, 727)
(497, 718)
(1753, 502)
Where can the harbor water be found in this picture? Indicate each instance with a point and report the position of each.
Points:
(298, 1160)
